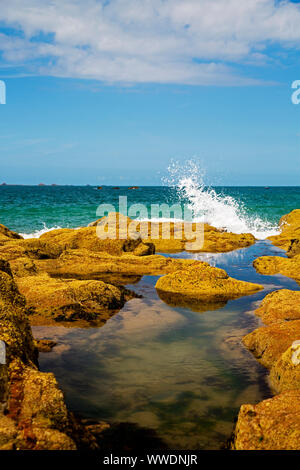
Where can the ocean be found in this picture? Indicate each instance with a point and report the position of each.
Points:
(32, 210)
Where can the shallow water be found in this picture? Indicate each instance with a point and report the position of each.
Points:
(179, 372)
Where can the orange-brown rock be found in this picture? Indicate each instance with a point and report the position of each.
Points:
(272, 265)
(201, 281)
(285, 373)
(268, 343)
(84, 264)
(272, 424)
(70, 300)
(289, 233)
(7, 235)
(279, 306)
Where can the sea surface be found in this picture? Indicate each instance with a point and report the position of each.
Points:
(178, 372)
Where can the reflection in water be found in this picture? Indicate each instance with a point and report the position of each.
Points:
(178, 372)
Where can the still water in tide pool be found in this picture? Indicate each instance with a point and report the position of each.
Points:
(179, 372)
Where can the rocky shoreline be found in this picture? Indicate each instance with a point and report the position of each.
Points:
(73, 278)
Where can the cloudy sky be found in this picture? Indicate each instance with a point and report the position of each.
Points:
(110, 91)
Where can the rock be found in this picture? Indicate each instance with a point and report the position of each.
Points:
(174, 237)
(272, 424)
(44, 345)
(70, 300)
(84, 264)
(294, 248)
(7, 235)
(201, 281)
(272, 265)
(279, 306)
(86, 238)
(290, 231)
(285, 373)
(268, 343)
(33, 414)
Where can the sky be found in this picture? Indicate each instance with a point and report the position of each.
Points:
(109, 92)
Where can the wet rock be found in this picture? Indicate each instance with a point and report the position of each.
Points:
(82, 264)
(272, 424)
(268, 343)
(279, 306)
(290, 232)
(70, 300)
(272, 265)
(44, 345)
(285, 373)
(201, 281)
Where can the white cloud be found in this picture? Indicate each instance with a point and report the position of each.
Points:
(136, 41)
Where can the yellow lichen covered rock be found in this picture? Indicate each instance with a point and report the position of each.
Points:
(86, 238)
(201, 281)
(7, 235)
(280, 305)
(84, 264)
(285, 373)
(272, 265)
(272, 424)
(71, 300)
(174, 237)
(290, 232)
(268, 343)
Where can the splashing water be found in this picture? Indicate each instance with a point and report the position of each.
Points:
(38, 233)
(208, 206)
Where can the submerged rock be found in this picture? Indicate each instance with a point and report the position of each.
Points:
(201, 281)
(268, 343)
(278, 306)
(272, 424)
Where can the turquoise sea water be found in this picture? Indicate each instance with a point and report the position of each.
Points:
(29, 209)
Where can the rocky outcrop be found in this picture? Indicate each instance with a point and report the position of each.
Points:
(83, 264)
(272, 424)
(285, 373)
(7, 235)
(280, 306)
(272, 265)
(203, 282)
(268, 343)
(289, 233)
(33, 413)
(68, 300)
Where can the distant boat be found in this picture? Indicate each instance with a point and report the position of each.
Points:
(133, 187)
(267, 187)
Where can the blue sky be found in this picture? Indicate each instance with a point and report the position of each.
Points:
(110, 92)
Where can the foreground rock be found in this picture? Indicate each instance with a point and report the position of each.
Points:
(285, 373)
(279, 306)
(71, 300)
(33, 414)
(272, 424)
(268, 343)
(204, 283)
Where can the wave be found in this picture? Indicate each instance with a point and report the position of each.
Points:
(38, 233)
(219, 210)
